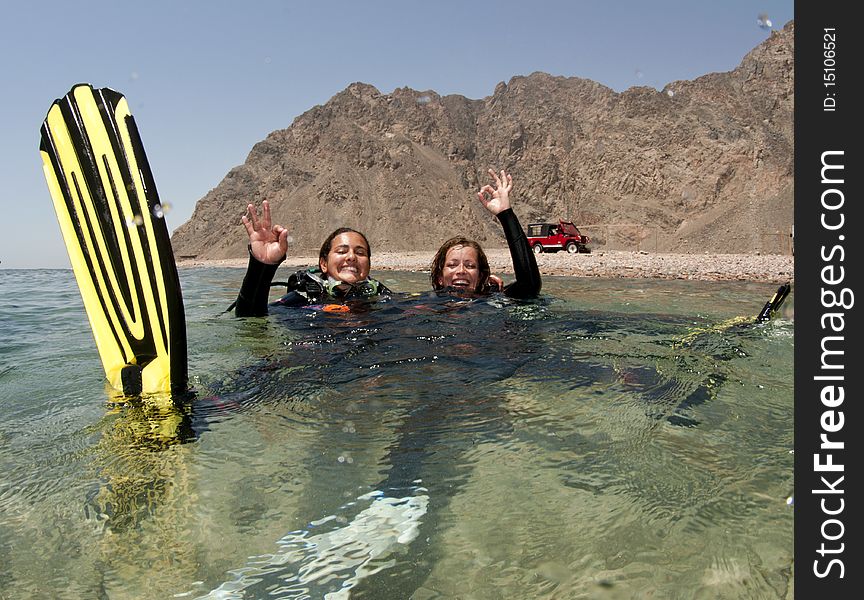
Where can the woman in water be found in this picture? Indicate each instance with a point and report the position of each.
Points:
(460, 265)
(342, 273)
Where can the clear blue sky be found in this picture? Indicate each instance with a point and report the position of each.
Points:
(207, 79)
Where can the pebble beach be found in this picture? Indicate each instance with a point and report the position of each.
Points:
(775, 268)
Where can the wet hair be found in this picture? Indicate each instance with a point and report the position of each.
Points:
(441, 257)
(328, 243)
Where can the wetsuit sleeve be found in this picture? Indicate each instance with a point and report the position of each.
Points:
(255, 291)
(527, 284)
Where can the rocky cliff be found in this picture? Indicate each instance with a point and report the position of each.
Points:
(703, 165)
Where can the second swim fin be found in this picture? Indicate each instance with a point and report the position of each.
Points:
(773, 305)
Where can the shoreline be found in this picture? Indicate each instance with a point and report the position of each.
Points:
(768, 268)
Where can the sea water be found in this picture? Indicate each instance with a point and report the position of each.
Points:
(615, 439)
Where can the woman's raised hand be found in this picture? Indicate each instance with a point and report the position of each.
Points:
(268, 244)
(496, 198)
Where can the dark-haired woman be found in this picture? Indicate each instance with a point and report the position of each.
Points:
(342, 273)
(460, 266)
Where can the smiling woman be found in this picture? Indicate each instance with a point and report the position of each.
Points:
(460, 266)
(345, 256)
(342, 273)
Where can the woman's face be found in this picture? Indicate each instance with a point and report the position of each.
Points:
(461, 269)
(348, 259)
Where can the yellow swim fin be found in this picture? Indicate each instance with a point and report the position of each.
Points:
(118, 243)
(766, 314)
(773, 305)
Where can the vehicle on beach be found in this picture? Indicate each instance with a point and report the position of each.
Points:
(552, 237)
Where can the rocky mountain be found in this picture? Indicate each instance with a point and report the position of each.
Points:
(702, 165)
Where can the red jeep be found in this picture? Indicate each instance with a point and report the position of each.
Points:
(552, 237)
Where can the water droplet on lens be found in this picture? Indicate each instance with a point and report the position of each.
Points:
(139, 220)
(424, 99)
(670, 93)
(763, 21)
(157, 211)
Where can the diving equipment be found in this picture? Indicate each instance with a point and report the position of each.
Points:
(118, 243)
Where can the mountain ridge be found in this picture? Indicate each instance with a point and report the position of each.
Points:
(702, 165)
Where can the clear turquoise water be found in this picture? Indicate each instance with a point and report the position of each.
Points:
(586, 446)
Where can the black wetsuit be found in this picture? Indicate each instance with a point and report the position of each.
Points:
(527, 284)
(304, 287)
